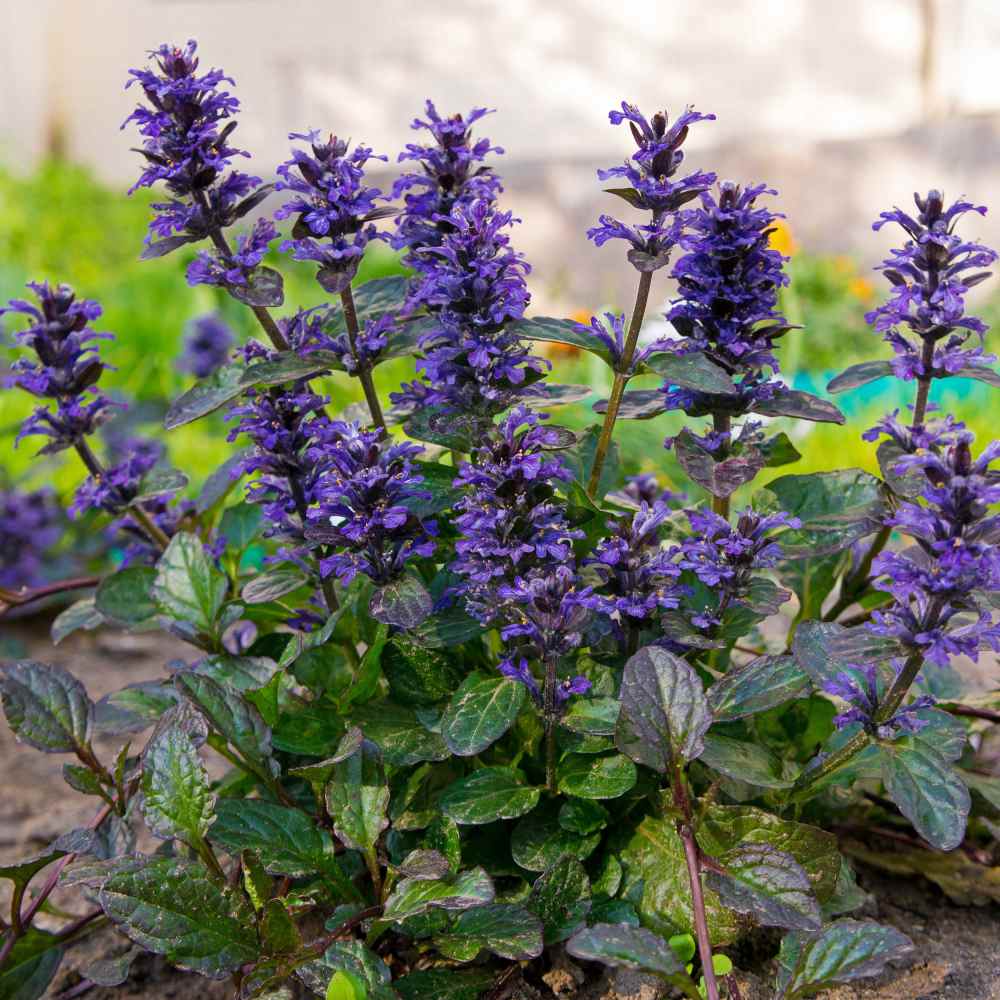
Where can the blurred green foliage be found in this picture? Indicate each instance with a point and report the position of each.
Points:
(61, 224)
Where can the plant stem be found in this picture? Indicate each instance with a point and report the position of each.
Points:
(895, 695)
(698, 906)
(972, 712)
(321, 944)
(94, 467)
(722, 424)
(364, 372)
(549, 708)
(17, 598)
(923, 383)
(621, 380)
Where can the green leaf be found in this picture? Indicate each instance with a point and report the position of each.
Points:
(30, 966)
(111, 971)
(244, 673)
(749, 762)
(234, 717)
(538, 841)
(927, 790)
(398, 733)
(278, 933)
(134, 707)
(83, 614)
(345, 985)
(173, 908)
(404, 603)
(549, 330)
(720, 478)
(221, 482)
(691, 371)
(761, 684)
(205, 397)
(768, 884)
(589, 777)
(287, 840)
(349, 956)
(264, 287)
(504, 929)
(840, 953)
(418, 675)
(46, 707)
(911, 483)
(664, 713)
(551, 394)
(176, 799)
(778, 450)
(241, 524)
(272, 585)
(488, 794)
(801, 406)
(159, 482)
(287, 366)
(417, 895)
(859, 375)
(560, 898)
(619, 945)
(125, 597)
(835, 508)
(438, 481)
(637, 404)
(481, 711)
(21, 872)
(187, 586)
(592, 716)
(444, 984)
(357, 798)
(371, 299)
(980, 374)
(582, 816)
(826, 649)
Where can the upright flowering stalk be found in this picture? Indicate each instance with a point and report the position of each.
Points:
(206, 346)
(309, 330)
(186, 124)
(727, 309)
(335, 213)
(924, 319)
(515, 557)
(451, 173)
(651, 188)
(363, 505)
(473, 285)
(66, 371)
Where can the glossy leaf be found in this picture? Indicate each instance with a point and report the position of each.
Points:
(287, 366)
(417, 895)
(801, 406)
(560, 898)
(263, 287)
(927, 790)
(176, 798)
(761, 684)
(357, 798)
(31, 965)
(691, 371)
(187, 586)
(481, 711)
(768, 884)
(158, 482)
(487, 795)
(636, 404)
(859, 375)
(173, 908)
(80, 615)
(398, 733)
(596, 777)
(125, 597)
(444, 984)
(664, 713)
(272, 585)
(842, 952)
(404, 603)
(507, 930)
(752, 763)
(207, 396)
(46, 707)
(538, 840)
(547, 329)
(720, 478)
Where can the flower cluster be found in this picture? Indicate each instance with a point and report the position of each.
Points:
(643, 488)
(206, 346)
(30, 524)
(638, 573)
(335, 211)
(651, 189)
(310, 330)
(452, 173)
(186, 124)
(236, 269)
(860, 686)
(725, 557)
(940, 587)
(67, 367)
(118, 485)
(515, 553)
(727, 309)
(930, 277)
(611, 334)
(473, 285)
(364, 498)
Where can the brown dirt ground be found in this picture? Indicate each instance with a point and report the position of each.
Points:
(957, 955)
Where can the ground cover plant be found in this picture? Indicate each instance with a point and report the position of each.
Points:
(487, 701)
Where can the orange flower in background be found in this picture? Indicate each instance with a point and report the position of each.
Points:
(782, 239)
(553, 350)
(861, 288)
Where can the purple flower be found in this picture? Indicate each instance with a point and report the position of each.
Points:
(860, 685)
(643, 488)
(363, 506)
(119, 485)
(727, 309)
(941, 586)
(310, 330)
(517, 668)
(473, 285)
(637, 573)
(611, 334)
(335, 212)
(650, 188)
(930, 277)
(451, 174)
(30, 524)
(236, 269)
(206, 346)
(186, 124)
(67, 366)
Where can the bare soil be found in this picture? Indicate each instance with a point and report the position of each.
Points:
(957, 954)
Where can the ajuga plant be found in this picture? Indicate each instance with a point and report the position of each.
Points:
(478, 703)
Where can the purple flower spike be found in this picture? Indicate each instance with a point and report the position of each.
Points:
(650, 187)
(860, 685)
(517, 668)
(206, 346)
(335, 211)
(30, 524)
(119, 485)
(306, 331)
(930, 277)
